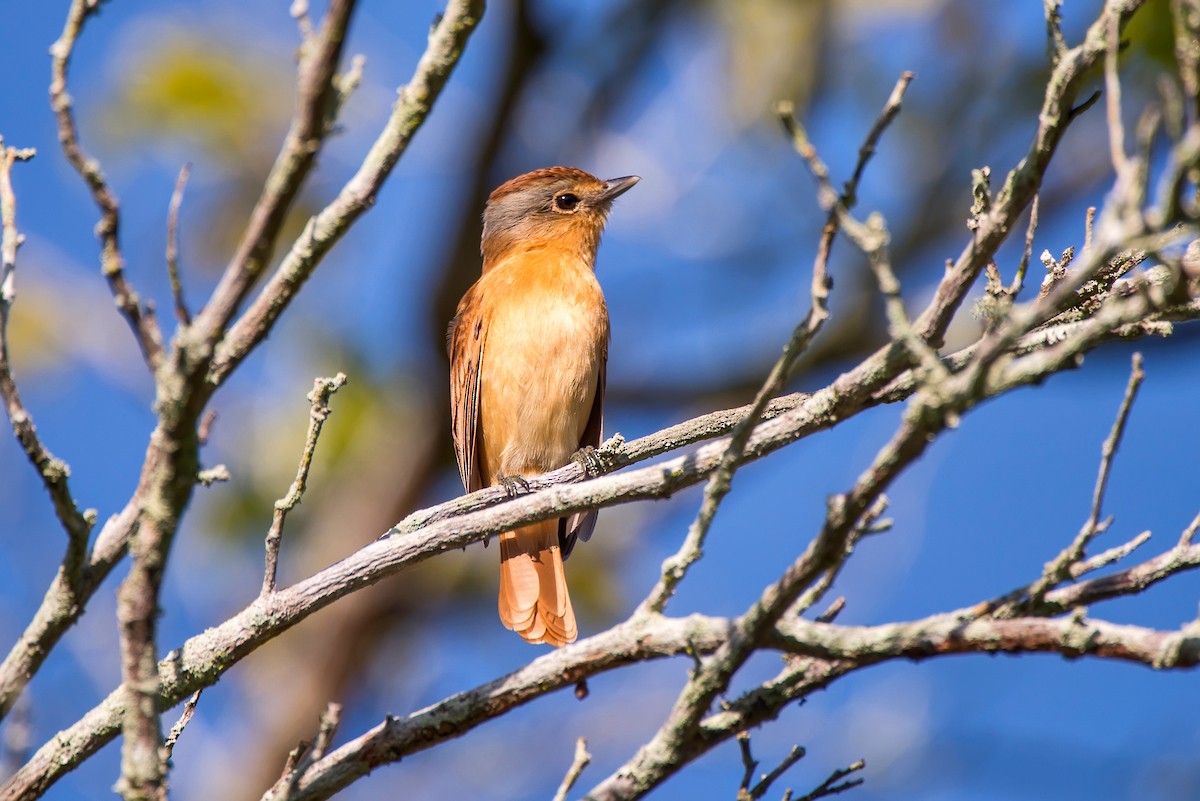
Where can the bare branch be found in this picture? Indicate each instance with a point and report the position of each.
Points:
(168, 475)
(1019, 279)
(794, 755)
(200, 661)
(446, 43)
(1113, 554)
(1185, 539)
(834, 609)
(322, 391)
(675, 567)
(1054, 34)
(319, 58)
(189, 710)
(299, 12)
(181, 310)
(834, 784)
(63, 603)
(749, 765)
(1112, 88)
(1060, 568)
(474, 517)
(145, 328)
(306, 755)
(52, 471)
(582, 760)
(1021, 350)
(1024, 180)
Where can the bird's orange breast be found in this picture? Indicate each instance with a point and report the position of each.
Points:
(547, 327)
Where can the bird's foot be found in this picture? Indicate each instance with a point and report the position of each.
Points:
(513, 485)
(598, 461)
(589, 459)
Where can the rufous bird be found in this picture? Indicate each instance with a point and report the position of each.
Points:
(528, 349)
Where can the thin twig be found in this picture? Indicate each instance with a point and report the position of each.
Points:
(445, 47)
(675, 567)
(582, 760)
(872, 238)
(1056, 42)
(145, 328)
(206, 425)
(868, 523)
(1059, 569)
(181, 310)
(1024, 180)
(834, 609)
(325, 733)
(1014, 289)
(185, 717)
(1109, 449)
(759, 790)
(323, 389)
(299, 12)
(1185, 539)
(1112, 89)
(53, 472)
(315, 91)
(831, 785)
(749, 765)
(306, 754)
(1113, 554)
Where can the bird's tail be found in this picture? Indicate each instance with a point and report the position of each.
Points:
(534, 601)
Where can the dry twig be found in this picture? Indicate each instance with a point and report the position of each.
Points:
(141, 321)
(581, 760)
(322, 391)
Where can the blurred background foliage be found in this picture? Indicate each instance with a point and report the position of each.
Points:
(706, 267)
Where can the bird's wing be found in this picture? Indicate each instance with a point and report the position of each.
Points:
(465, 342)
(581, 524)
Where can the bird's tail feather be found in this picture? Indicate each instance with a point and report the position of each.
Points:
(534, 601)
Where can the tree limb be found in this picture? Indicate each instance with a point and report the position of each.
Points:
(141, 321)
(446, 42)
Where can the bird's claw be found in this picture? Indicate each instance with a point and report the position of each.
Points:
(589, 459)
(513, 485)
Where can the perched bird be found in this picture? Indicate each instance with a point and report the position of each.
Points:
(528, 348)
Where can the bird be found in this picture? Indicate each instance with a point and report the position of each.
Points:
(528, 349)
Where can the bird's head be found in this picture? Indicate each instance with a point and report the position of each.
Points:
(554, 207)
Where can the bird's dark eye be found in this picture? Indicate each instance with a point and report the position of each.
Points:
(566, 201)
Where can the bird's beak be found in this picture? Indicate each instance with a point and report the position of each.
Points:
(618, 186)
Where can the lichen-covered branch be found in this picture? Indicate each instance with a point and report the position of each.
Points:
(204, 658)
(147, 524)
(316, 92)
(675, 567)
(446, 42)
(1022, 183)
(1105, 293)
(825, 652)
(53, 472)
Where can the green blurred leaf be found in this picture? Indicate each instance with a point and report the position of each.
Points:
(198, 86)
